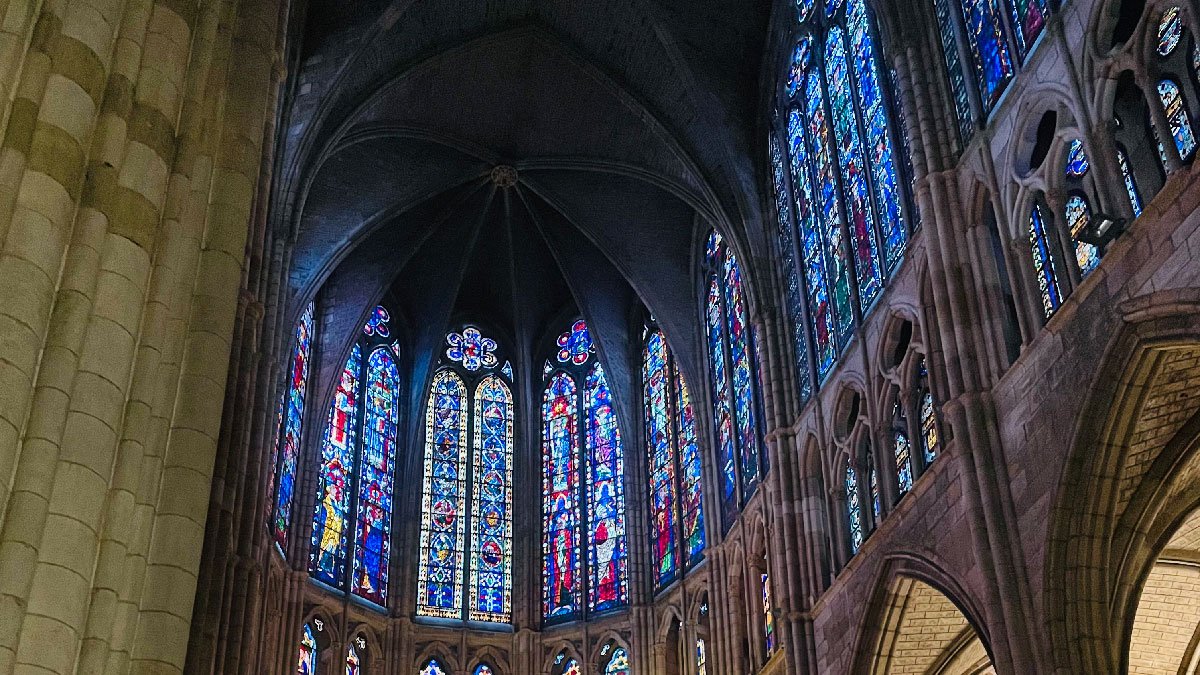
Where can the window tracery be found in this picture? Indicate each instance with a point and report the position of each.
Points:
(287, 446)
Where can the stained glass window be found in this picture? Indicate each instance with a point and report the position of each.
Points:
(800, 58)
(859, 215)
(571, 667)
(722, 414)
(507, 370)
(954, 70)
(1028, 18)
(674, 463)
(804, 8)
(902, 449)
(701, 658)
(1177, 117)
(929, 433)
(795, 296)
(768, 614)
(377, 323)
(482, 669)
(471, 349)
(575, 345)
(1135, 200)
(327, 560)
(877, 140)
(433, 668)
(853, 509)
(1043, 261)
(873, 479)
(560, 457)
(988, 41)
(353, 664)
(290, 438)
(373, 535)
(307, 663)
(491, 503)
(619, 664)
(1077, 161)
(1170, 30)
(1078, 215)
(440, 570)
(745, 401)
(605, 497)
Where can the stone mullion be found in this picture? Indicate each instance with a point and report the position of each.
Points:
(719, 613)
(1158, 119)
(160, 643)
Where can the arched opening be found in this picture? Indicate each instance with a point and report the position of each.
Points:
(923, 631)
(1165, 634)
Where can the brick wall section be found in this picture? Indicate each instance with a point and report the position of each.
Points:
(1166, 620)
(1175, 398)
(930, 625)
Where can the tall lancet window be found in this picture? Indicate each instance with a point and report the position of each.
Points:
(464, 568)
(850, 189)
(735, 396)
(676, 511)
(291, 415)
(353, 519)
(583, 527)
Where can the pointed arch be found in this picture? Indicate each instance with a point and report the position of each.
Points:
(331, 522)
(561, 585)
(440, 571)
(491, 503)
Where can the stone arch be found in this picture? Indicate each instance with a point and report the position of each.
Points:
(1123, 489)
(440, 652)
(1162, 634)
(920, 618)
(602, 652)
(371, 652)
(565, 650)
(491, 657)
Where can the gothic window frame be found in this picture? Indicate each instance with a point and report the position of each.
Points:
(1178, 66)
(346, 561)
(287, 448)
(823, 276)
(676, 398)
(735, 461)
(452, 362)
(578, 372)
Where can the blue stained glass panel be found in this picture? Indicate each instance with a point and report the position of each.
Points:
(307, 662)
(331, 523)
(297, 386)
(433, 668)
(854, 181)
(820, 311)
(954, 70)
(989, 49)
(804, 8)
(1077, 161)
(801, 55)
(377, 323)
(662, 460)
(723, 411)
(853, 509)
(901, 449)
(929, 434)
(443, 526)
(560, 487)
(1135, 200)
(1028, 17)
(1079, 214)
(607, 554)
(795, 299)
(744, 396)
(372, 548)
(491, 504)
(619, 664)
(575, 345)
(825, 183)
(832, 7)
(689, 450)
(878, 140)
(1170, 31)
(471, 349)
(1177, 117)
(1043, 262)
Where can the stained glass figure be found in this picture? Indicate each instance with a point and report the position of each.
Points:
(1043, 262)
(373, 536)
(662, 460)
(1028, 17)
(571, 668)
(825, 183)
(327, 559)
(701, 658)
(804, 8)
(547, 369)
(619, 664)
(353, 664)
(471, 349)
(860, 218)
(929, 433)
(290, 442)
(873, 478)
(1135, 200)
(901, 449)
(832, 7)
(1077, 161)
(795, 297)
(307, 663)
(575, 345)
(433, 668)
(1170, 30)
(768, 614)
(877, 139)
(820, 311)
(690, 490)
(377, 323)
(723, 409)
(853, 510)
(482, 669)
(1177, 117)
(560, 484)
(954, 69)
(713, 248)
(440, 565)
(801, 55)
(605, 497)
(988, 41)
(1078, 215)
(743, 389)
(507, 370)
(491, 503)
